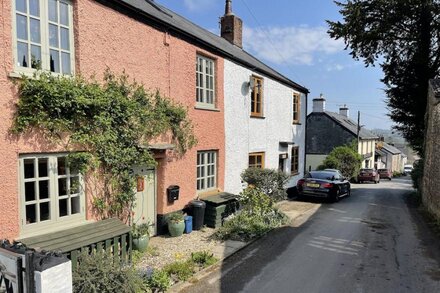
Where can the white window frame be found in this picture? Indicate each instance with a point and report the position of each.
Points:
(205, 82)
(56, 222)
(206, 171)
(44, 37)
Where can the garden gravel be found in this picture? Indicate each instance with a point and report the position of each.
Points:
(165, 249)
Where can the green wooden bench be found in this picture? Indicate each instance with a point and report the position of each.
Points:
(111, 235)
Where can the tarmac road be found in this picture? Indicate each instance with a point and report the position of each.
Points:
(370, 242)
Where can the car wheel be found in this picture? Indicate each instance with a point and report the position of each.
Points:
(348, 191)
(389, 178)
(336, 195)
(375, 181)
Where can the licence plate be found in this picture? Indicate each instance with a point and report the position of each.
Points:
(314, 185)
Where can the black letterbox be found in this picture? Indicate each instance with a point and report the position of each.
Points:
(173, 193)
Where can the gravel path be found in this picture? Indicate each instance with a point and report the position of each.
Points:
(165, 249)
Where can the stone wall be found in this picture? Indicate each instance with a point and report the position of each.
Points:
(431, 178)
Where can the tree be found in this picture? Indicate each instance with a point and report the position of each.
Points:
(345, 159)
(403, 38)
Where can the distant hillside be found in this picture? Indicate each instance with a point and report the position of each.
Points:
(390, 136)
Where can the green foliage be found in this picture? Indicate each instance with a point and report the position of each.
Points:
(183, 270)
(175, 217)
(160, 281)
(345, 159)
(397, 174)
(417, 174)
(257, 216)
(101, 273)
(111, 122)
(270, 181)
(203, 258)
(140, 230)
(402, 37)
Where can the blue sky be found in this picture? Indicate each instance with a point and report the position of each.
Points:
(290, 36)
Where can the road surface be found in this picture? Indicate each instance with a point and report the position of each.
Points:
(370, 242)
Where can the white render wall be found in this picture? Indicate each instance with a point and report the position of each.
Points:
(244, 135)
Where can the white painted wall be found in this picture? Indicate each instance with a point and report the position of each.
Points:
(246, 135)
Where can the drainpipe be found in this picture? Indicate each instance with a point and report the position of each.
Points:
(305, 136)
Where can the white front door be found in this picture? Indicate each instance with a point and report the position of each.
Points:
(145, 204)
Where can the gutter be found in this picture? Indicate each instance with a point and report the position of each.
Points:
(305, 136)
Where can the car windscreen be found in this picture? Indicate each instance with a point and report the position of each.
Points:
(321, 175)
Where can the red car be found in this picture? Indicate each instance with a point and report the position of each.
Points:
(368, 175)
(385, 173)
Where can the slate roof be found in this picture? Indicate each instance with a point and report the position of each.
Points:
(168, 18)
(435, 83)
(391, 149)
(350, 125)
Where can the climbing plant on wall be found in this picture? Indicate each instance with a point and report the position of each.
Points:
(105, 125)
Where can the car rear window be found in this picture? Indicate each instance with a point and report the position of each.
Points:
(321, 175)
(383, 170)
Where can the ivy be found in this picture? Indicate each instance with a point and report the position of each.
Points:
(106, 126)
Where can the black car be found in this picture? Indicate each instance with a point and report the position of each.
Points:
(325, 184)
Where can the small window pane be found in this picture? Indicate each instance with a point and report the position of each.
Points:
(29, 191)
(64, 39)
(61, 166)
(31, 214)
(43, 167)
(62, 186)
(29, 170)
(35, 30)
(54, 61)
(20, 5)
(22, 27)
(36, 57)
(34, 7)
(65, 59)
(74, 185)
(75, 205)
(44, 189)
(63, 207)
(53, 11)
(53, 36)
(64, 14)
(44, 211)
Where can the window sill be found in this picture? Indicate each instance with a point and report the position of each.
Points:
(258, 117)
(296, 123)
(206, 193)
(294, 174)
(31, 74)
(206, 108)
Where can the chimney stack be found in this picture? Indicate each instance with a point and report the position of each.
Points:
(319, 104)
(231, 26)
(344, 111)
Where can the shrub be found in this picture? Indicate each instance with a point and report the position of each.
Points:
(255, 201)
(101, 273)
(203, 258)
(417, 174)
(182, 270)
(269, 181)
(176, 217)
(246, 226)
(159, 281)
(345, 159)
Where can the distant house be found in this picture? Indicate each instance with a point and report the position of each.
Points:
(390, 157)
(327, 130)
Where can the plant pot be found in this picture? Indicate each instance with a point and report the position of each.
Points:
(176, 228)
(141, 243)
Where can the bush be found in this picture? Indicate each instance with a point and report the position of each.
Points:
(417, 174)
(246, 226)
(100, 273)
(159, 281)
(203, 258)
(255, 201)
(182, 270)
(345, 159)
(269, 181)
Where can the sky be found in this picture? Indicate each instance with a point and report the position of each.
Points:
(291, 37)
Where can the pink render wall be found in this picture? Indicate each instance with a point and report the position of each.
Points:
(106, 38)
